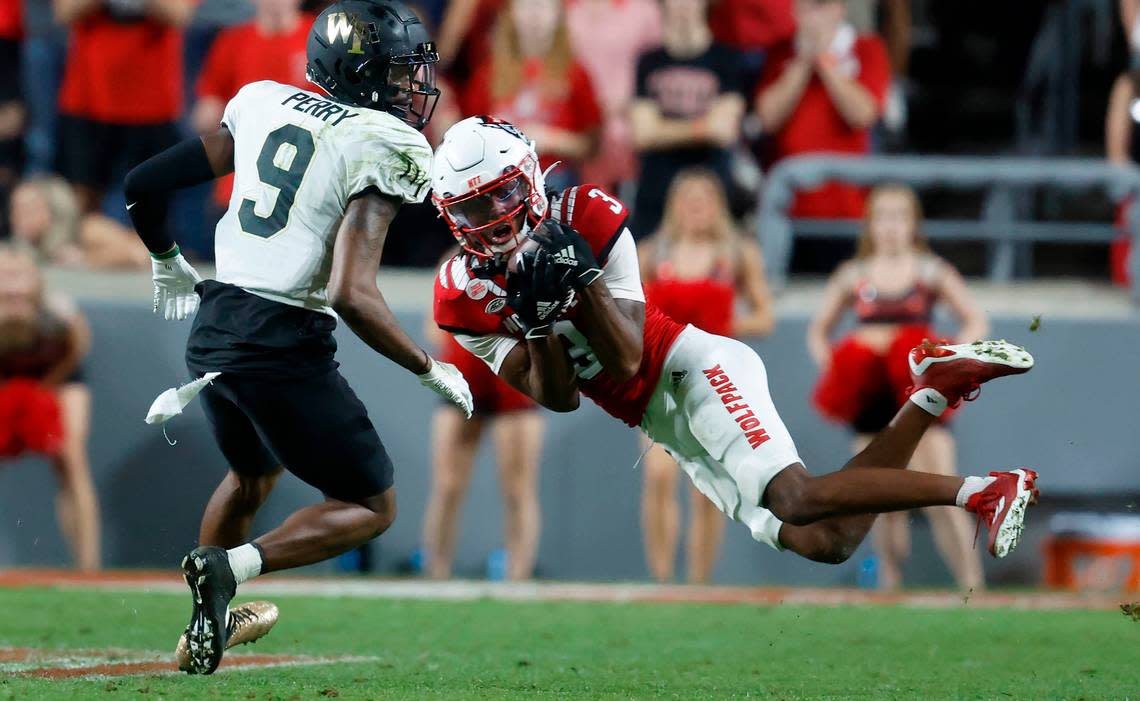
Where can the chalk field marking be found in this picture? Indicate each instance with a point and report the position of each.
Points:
(113, 662)
(378, 588)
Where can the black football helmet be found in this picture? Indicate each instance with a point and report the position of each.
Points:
(375, 54)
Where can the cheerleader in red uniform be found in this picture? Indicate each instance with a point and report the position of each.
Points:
(892, 286)
(696, 269)
(516, 427)
(44, 410)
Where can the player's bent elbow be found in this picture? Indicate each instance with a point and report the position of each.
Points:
(567, 405)
(627, 368)
(562, 405)
(345, 301)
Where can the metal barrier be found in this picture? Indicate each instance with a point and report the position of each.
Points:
(1002, 177)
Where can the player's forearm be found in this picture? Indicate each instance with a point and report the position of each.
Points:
(776, 104)
(550, 378)
(368, 315)
(150, 185)
(854, 102)
(615, 338)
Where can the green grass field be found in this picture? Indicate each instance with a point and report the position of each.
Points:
(543, 650)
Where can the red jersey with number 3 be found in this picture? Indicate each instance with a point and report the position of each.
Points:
(465, 304)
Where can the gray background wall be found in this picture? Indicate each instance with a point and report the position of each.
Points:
(1073, 419)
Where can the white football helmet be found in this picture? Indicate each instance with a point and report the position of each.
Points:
(487, 185)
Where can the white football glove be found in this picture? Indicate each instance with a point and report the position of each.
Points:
(445, 380)
(174, 280)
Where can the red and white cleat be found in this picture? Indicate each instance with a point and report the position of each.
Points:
(1002, 505)
(958, 371)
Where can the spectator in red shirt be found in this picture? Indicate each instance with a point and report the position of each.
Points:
(122, 87)
(270, 47)
(533, 81)
(750, 25)
(822, 93)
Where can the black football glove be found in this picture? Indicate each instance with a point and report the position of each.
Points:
(569, 254)
(536, 294)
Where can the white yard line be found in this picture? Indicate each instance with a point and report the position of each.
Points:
(461, 590)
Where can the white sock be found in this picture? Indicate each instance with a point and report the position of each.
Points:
(931, 400)
(970, 487)
(245, 561)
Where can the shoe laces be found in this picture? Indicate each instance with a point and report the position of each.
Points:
(238, 618)
(986, 505)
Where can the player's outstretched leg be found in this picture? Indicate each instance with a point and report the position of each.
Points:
(841, 507)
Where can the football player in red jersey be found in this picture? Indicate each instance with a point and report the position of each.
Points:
(564, 314)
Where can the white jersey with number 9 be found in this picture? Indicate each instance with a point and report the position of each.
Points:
(299, 158)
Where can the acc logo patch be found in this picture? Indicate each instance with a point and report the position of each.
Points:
(496, 305)
(477, 289)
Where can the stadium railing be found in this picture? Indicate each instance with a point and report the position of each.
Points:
(1005, 179)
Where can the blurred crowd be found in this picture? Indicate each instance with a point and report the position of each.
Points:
(623, 93)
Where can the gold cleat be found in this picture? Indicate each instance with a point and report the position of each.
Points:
(246, 623)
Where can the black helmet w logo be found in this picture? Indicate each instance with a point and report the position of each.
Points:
(375, 54)
(347, 29)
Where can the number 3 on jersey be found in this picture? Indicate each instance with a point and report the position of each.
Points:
(286, 179)
(586, 364)
(615, 206)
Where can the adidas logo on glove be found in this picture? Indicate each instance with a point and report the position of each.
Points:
(545, 309)
(565, 256)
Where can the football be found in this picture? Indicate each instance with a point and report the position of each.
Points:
(528, 245)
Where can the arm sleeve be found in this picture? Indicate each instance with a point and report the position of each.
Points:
(492, 349)
(150, 185)
(394, 160)
(622, 272)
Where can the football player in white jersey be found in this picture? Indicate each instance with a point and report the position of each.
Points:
(318, 180)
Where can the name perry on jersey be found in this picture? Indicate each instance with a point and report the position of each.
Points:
(321, 109)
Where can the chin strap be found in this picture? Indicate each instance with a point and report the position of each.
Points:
(550, 168)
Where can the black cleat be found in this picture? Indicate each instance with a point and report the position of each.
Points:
(211, 581)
